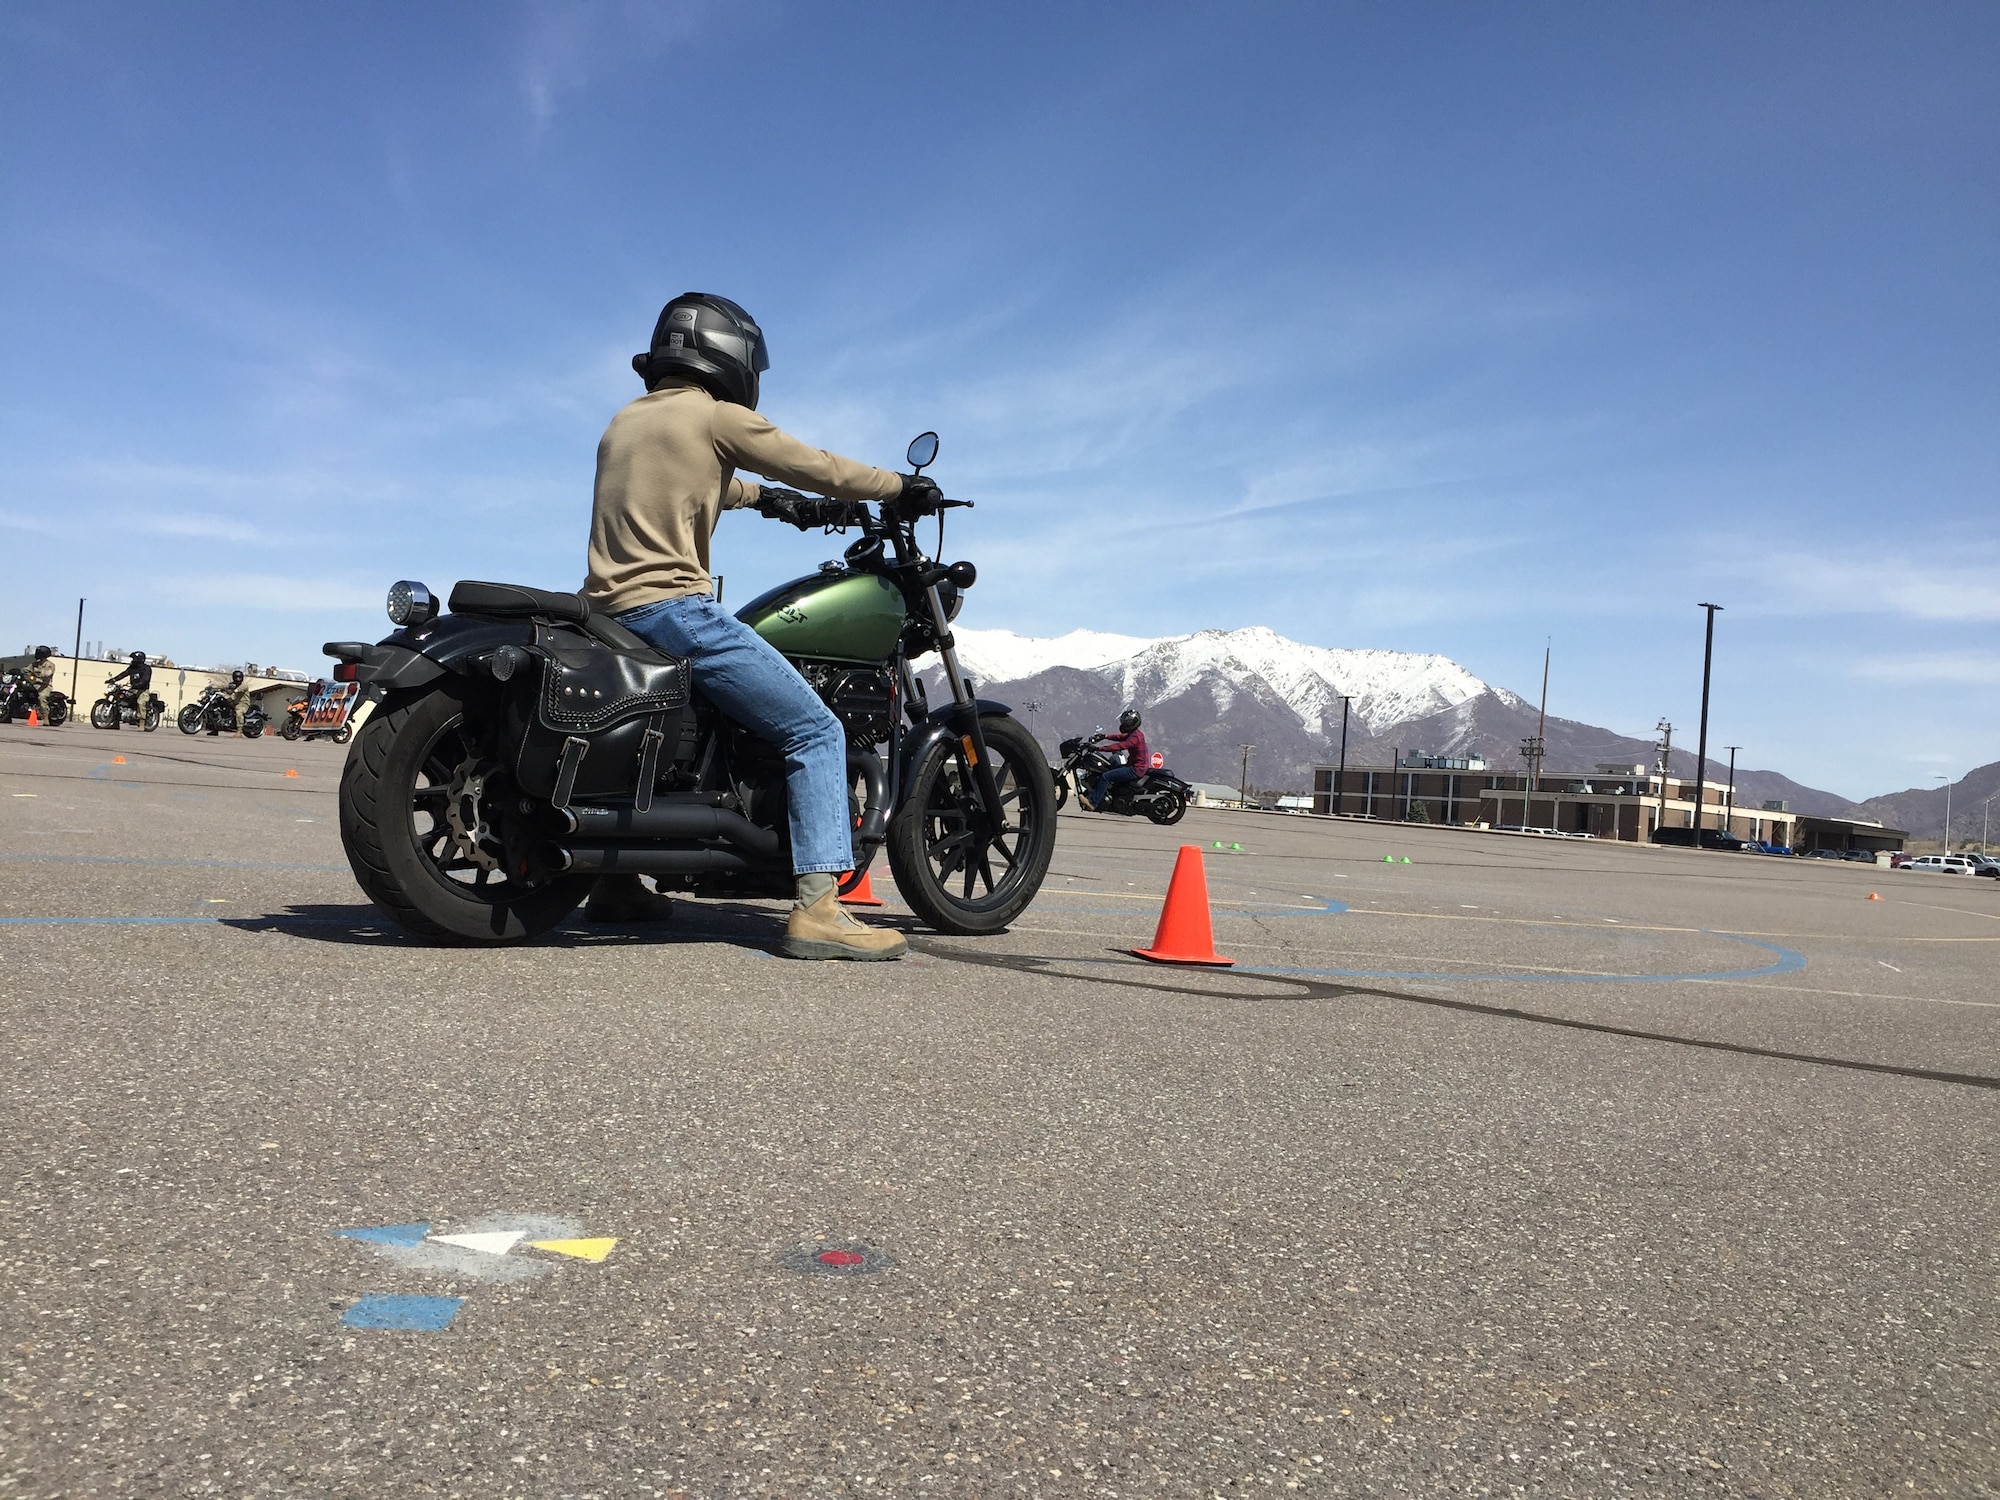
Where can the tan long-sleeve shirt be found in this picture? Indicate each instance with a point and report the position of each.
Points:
(666, 470)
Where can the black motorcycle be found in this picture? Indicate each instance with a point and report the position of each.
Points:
(1158, 793)
(214, 712)
(511, 750)
(18, 695)
(120, 706)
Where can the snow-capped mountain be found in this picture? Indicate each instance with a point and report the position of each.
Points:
(1206, 695)
(1386, 687)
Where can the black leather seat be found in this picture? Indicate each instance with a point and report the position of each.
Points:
(516, 600)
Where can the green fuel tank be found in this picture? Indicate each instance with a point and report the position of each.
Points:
(835, 614)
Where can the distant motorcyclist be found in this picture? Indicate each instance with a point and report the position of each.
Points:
(238, 694)
(1132, 740)
(138, 679)
(41, 679)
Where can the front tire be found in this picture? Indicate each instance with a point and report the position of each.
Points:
(1062, 789)
(103, 715)
(414, 811)
(291, 731)
(190, 719)
(958, 881)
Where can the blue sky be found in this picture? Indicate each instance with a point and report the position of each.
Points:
(1447, 328)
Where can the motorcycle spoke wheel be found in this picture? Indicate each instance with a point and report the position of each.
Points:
(956, 875)
(422, 816)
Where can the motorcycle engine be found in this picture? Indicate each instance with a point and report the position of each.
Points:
(862, 698)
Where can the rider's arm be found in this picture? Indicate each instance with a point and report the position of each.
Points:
(746, 440)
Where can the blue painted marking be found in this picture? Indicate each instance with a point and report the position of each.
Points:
(205, 864)
(378, 1310)
(1330, 909)
(387, 1234)
(1788, 962)
(108, 921)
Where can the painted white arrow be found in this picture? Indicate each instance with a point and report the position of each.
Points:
(499, 1242)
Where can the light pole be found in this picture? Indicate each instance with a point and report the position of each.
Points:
(1985, 809)
(1947, 812)
(1729, 814)
(1666, 763)
(1340, 781)
(1701, 753)
(1243, 788)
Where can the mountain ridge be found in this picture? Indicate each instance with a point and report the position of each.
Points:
(1207, 693)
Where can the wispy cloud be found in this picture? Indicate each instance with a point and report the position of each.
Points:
(565, 43)
(1965, 588)
(1978, 668)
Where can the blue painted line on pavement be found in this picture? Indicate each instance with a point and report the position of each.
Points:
(203, 864)
(424, 1314)
(1788, 962)
(387, 1234)
(268, 921)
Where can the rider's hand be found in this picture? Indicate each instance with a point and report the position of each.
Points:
(803, 511)
(924, 492)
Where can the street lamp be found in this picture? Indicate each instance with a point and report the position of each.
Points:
(1729, 814)
(1947, 811)
(1701, 753)
(1243, 790)
(1340, 778)
(1985, 808)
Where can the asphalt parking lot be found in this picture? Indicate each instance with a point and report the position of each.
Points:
(1521, 1168)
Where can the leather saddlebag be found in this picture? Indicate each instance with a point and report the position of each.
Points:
(593, 722)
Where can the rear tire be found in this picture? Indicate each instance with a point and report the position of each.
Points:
(1167, 809)
(940, 864)
(395, 806)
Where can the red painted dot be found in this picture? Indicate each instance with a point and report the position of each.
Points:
(840, 1258)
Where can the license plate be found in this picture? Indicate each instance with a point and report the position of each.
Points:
(329, 707)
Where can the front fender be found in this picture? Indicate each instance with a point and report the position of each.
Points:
(946, 723)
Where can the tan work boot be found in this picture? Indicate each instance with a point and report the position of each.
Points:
(624, 901)
(826, 929)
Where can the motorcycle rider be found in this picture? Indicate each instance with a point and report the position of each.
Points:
(238, 695)
(41, 680)
(138, 678)
(666, 469)
(1129, 739)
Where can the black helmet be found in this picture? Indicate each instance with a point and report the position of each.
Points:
(236, 677)
(1128, 721)
(43, 653)
(138, 658)
(710, 341)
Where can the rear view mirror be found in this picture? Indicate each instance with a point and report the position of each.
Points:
(923, 451)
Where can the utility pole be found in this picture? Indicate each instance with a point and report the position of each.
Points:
(76, 655)
(1034, 706)
(1985, 811)
(1340, 781)
(1666, 761)
(1701, 754)
(1729, 816)
(1243, 788)
(1947, 812)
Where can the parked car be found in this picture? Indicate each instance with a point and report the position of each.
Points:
(1690, 838)
(1985, 864)
(1860, 856)
(1822, 854)
(1899, 859)
(1765, 846)
(1941, 864)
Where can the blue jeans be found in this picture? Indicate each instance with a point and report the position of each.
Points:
(1110, 779)
(743, 675)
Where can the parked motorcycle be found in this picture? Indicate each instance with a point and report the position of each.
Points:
(121, 706)
(321, 714)
(521, 744)
(1158, 793)
(17, 696)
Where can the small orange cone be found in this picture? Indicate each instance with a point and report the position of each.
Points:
(1874, 896)
(1184, 935)
(34, 719)
(117, 760)
(862, 895)
(291, 770)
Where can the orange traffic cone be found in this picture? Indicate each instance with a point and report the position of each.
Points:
(292, 771)
(1874, 895)
(1184, 935)
(117, 760)
(34, 719)
(862, 895)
